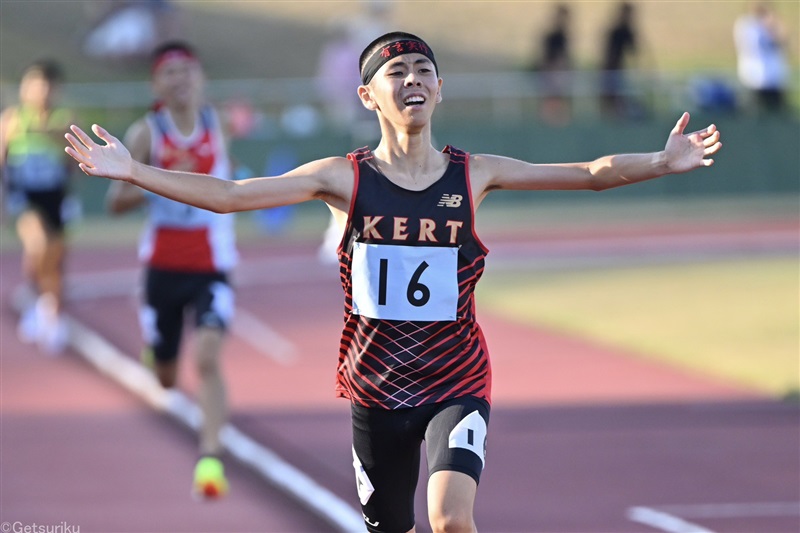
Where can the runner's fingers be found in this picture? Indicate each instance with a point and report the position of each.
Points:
(77, 154)
(711, 139)
(104, 135)
(706, 132)
(714, 148)
(78, 150)
(681, 124)
(82, 162)
(83, 136)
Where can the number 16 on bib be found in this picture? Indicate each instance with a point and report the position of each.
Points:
(405, 282)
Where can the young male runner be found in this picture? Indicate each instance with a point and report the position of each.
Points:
(412, 359)
(188, 252)
(35, 183)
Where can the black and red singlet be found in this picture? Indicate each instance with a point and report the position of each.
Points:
(409, 263)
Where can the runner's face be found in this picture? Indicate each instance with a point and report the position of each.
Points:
(407, 89)
(179, 82)
(36, 91)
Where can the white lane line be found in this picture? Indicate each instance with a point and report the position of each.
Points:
(263, 338)
(110, 361)
(734, 510)
(663, 521)
(673, 518)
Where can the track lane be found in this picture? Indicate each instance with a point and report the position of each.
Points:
(534, 483)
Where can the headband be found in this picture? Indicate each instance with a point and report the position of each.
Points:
(396, 48)
(175, 53)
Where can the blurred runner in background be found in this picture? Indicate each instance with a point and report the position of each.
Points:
(36, 181)
(188, 252)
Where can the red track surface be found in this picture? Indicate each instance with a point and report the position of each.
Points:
(579, 432)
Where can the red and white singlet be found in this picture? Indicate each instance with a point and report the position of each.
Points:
(179, 237)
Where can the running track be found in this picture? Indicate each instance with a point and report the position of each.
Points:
(583, 438)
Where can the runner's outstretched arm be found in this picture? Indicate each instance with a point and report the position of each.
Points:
(321, 179)
(683, 152)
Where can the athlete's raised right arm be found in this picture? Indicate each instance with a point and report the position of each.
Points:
(330, 180)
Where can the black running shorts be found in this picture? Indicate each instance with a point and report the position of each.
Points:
(386, 454)
(170, 295)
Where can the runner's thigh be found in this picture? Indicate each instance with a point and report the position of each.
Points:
(386, 457)
(456, 437)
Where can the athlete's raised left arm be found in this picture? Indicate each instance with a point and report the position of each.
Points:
(682, 153)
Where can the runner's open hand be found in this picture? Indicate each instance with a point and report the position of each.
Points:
(686, 152)
(110, 161)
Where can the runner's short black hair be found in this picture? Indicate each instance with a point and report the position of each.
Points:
(49, 69)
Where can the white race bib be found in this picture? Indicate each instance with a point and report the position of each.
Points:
(405, 282)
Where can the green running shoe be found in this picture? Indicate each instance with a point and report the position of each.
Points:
(209, 479)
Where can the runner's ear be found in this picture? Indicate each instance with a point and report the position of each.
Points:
(365, 94)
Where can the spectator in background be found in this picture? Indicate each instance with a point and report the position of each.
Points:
(620, 46)
(188, 252)
(337, 74)
(129, 29)
(36, 181)
(762, 65)
(554, 67)
(336, 77)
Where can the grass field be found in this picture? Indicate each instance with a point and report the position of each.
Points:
(737, 320)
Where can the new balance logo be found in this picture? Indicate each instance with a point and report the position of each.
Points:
(450, 200)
